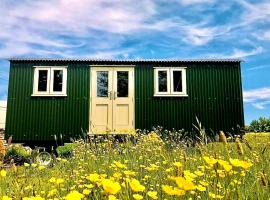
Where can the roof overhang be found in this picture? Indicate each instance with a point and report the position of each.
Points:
(124, 60)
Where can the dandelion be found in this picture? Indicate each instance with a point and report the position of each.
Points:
(86, 192)
(26, 164)
(240, 163)
(111, 187)
(112, 197)
(74, 195)
(6, 198)
(59, 181)
(215, 196)
(136, 186)
(137, 196)
(152, 194)
(41, 167)
(184, 184)
(3, 173)
(201, 188)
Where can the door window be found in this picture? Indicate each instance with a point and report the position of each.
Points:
(102, 84)
(122, 84)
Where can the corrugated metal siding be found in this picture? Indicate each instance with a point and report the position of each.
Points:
(214, 96)
(39, 118)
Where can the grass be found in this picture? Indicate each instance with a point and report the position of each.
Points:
(151, 169)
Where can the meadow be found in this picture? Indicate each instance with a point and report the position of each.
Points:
(148, 166)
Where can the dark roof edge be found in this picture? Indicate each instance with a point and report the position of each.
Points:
(126, 60)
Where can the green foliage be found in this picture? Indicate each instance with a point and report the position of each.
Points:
(17, 151)
(66, 150)
(260, 125)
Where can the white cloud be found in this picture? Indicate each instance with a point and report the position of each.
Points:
(261, 105)
(255, 11)
(191, 2)
(238, 53)
(264, 35)
(257, 94)
(259, 97)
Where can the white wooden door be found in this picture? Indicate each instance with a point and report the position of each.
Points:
(101, 97)
(123, 98)
(112, 99)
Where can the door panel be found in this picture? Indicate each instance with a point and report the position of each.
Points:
(101, 106)
(123, 107)
(112, 107)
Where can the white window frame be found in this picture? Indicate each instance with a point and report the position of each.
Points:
(50, 81)
(170, 92)
(157, 92)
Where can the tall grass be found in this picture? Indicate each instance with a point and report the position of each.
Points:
(149, 166)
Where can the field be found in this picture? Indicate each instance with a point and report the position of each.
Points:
(148, 168)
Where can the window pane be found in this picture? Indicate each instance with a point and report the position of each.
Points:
(122, 84)
(102, 84)
(42, 80)
(57, 80)
(177, 81)
(162, 81)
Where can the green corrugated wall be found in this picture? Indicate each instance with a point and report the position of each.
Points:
(39, 118)
(214, 95)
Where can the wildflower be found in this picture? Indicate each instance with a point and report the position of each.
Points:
(137, 196)
(111, 187)
(170, 169)
(203, 183)
(112, 197)
(52, 192)
(201, 188)
(59, 181)
(26, 164)
(129, 173)
(3, 173)
(184, 184)
(152, 194)
(34, 165)
(74, 195)
(210, 161)
(117, 175)
(227, 167)
(52, 180)
(240, 163)
(41, 167)
(6, 198)
(119, 165)
(172, 191)
(95, 178)
(136, 186)
(89, 186)
(215, 196)
(86, 192)
(177, 164)
(199, 173)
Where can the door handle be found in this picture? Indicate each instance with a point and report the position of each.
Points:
(114, 95)
(110, 95)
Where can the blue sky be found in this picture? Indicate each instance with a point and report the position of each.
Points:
(143, 29)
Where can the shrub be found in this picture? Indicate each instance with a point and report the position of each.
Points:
(66, 150)
(260, 125)
(17, 151)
